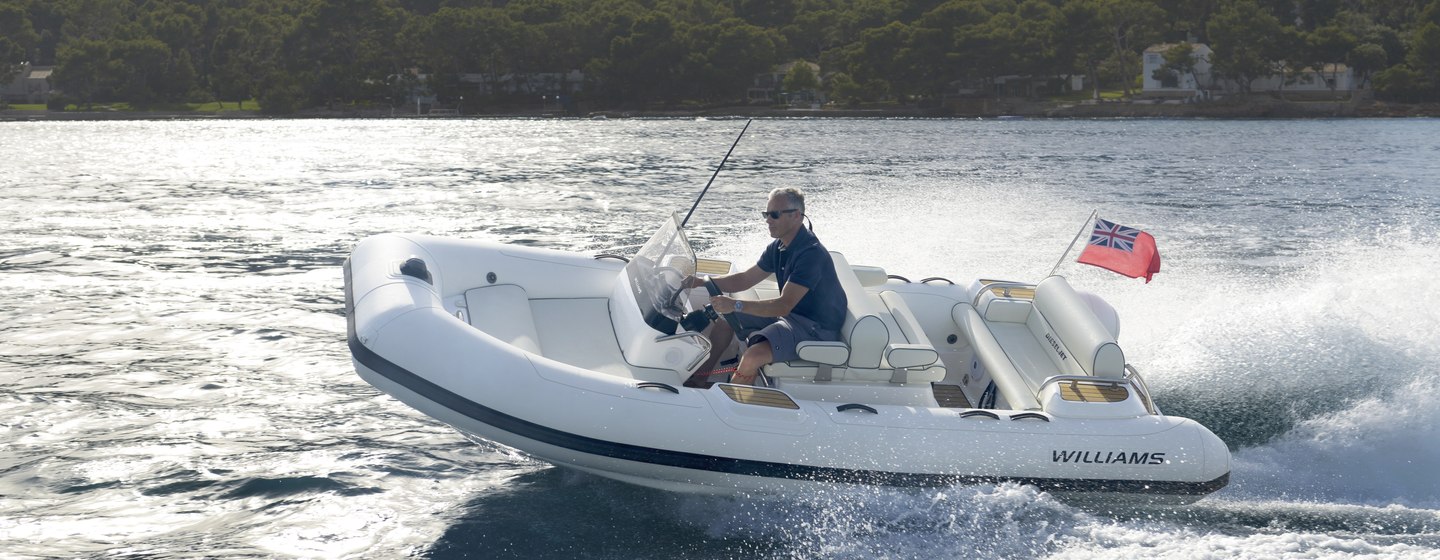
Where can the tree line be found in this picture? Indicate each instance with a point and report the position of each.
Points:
(292, 54)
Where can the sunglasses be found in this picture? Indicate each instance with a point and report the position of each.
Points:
(775, 214)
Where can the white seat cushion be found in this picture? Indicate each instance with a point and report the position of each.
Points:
(503, 311)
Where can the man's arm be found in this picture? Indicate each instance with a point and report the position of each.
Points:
(731, 283)
(790, 296)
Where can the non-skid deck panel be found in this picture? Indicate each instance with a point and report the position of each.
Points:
(950, 396)
(712, 266)
(1079, 391)
(758, 396)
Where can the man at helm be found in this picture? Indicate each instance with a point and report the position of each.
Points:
(811, 305)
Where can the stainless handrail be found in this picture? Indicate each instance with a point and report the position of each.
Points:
(1084, 378)
(1132, 379)
(682, 334)
(1133, 376)
(1005, 286)
(704, 343)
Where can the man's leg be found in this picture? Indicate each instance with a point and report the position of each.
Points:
(755, 357)
(720, 336)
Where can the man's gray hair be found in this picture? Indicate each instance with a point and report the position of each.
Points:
(793, 196)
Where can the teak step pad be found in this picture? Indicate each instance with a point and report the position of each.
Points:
(950, 396)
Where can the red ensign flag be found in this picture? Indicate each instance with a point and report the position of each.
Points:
(1125, 250)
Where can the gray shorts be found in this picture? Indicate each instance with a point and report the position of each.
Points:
(784, 333)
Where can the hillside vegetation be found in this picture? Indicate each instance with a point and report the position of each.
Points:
(294, 54)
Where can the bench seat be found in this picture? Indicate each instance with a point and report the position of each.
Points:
(1020, 342)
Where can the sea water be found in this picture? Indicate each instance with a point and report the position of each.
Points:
(174, 379)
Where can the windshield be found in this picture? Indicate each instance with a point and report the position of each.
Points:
(657, 274)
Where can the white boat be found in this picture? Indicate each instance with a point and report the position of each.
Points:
(579, 361)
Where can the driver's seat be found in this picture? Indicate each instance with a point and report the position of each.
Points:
(881, 341)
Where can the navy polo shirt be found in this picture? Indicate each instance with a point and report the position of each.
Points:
(807, 263)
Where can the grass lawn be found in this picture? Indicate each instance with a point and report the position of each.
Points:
(1087, 95)
(211, 107)
(1105, 95)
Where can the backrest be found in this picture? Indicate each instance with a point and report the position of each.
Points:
(864, 329)
(905, 321)
(1079, 331)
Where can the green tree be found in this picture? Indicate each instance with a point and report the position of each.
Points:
(979, 43)
(1325, 47)
(1243, 38)
(1365, 60)
(842, 86)
(1179, 62)
(1366, 30)
(233, 66)
(644, 64)
(1400, 83)
(83, 70)
(17, 41)
(1131, 25)
(11, 56)
(344, 48)
(1424, 57)
(1085, 39)
(1187, 17)
(93, 19)
(454, 41)
(877, 58)
(766, 13)
(1037, 42)
(724, 57)
(140, 68)
(815, 31)
(801, 77)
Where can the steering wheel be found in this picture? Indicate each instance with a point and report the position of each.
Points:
(729, 317)
(666, 274)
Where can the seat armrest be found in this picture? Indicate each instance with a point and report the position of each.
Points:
(910, 355)
(833, 353)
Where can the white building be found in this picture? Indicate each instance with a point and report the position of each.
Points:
(1202, 82)
(1188, 84)
(1333, 77)
(31, 85)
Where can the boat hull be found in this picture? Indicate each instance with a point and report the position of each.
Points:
(704, 441)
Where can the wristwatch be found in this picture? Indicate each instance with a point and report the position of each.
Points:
(739, 305)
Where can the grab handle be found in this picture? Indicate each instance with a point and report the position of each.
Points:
(855, 406)
(657, 385)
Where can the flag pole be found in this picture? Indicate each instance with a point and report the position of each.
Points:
(1087, 223)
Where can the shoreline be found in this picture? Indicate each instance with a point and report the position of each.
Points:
(1252, 108)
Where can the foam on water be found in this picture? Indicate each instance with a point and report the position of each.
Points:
(1316, 363)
